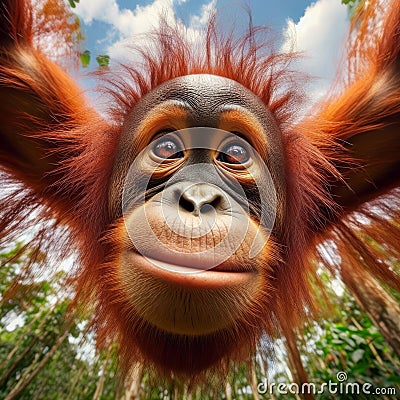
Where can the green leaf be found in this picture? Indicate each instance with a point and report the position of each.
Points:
(349, 341)
(73, 3)
(103, 60)
(358, 339)
(357, 355)
(394, 378)
(85, 58)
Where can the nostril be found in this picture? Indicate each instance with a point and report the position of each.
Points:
(199, 199)
(186, 204)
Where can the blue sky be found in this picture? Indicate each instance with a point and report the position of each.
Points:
(316, 27)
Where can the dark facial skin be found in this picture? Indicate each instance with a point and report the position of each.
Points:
(203, 98)
(201, 147)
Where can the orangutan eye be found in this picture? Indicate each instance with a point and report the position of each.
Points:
(167, 148)
(234, 153)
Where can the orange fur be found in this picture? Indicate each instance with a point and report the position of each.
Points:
(60, 154)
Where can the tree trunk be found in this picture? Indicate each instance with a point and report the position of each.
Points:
(27, 377)
(132, 384)
(74, 383)
(228, 391)
(253, 380)
(100, 383)
(11, 368)
(295, 363)
(21, 338)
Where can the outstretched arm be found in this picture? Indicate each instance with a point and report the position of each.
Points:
(364, 119)
(40, 104)
(358, 130)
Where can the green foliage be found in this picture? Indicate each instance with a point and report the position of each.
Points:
(103, 60)
(345, 341)
(33, 318)
(351, 3)
(73, 3)
(85, 58)
(348, 341)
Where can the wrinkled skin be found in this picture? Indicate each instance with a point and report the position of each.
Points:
(187, 268)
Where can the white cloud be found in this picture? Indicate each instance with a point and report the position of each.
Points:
(319, 35)
(125, 23)
(197, 21)
(102, 10)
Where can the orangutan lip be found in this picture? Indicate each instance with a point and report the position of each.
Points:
(191, 277)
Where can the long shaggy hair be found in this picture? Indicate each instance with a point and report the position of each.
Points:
(68, 185)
